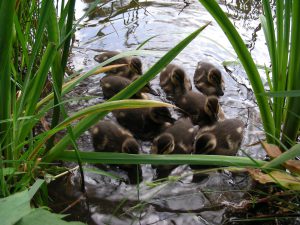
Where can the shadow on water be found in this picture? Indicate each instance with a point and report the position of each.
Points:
(124, 25)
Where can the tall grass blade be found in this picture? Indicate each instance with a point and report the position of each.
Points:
(7, 13)
(57, 69)
(123, 158)
(44, 12)
(36, 90)
(291, 154)
(291, 124)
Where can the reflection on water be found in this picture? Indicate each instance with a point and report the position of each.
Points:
(124, 25)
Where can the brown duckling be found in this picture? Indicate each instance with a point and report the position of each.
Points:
(201, 109)
(222, 138)
(133, 68)
(208, 79)
(144, 123)
(177, 139)
(107, 136)
(174, 81)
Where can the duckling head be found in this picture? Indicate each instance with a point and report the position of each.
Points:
(215, 79)
(177, 78)
(131, 146)
(212, 108)
(163, 144)
(136, 65)
(205, 143)
(161, 115)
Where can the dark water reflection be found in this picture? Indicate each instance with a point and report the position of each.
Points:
(129, 25)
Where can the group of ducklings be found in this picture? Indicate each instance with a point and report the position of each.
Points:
(203, 128)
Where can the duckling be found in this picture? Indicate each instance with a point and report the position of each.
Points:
(223, 138)
(201, 109)
(144, 123)
(110, 137)
(208, 79)
(177, 139)
(134, 64)
(174, 81)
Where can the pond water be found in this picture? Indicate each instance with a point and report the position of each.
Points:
(177, 202)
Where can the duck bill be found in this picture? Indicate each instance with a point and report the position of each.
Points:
(220, 92)
(150, 90)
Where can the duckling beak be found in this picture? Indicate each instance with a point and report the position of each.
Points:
(151, 90)
(99, 58)
(220, 92)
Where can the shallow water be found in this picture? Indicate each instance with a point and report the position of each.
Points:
(180, 202)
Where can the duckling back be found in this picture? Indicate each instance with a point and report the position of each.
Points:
(201, 109)
(110, 137)
(208, 79)
(183, 132)
(111, 85)
(177, 139)
(174, 81)
(144, 123)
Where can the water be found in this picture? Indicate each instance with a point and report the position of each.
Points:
(181, 202)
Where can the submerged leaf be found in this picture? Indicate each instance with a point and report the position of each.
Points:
(284, 179)
(274, 151)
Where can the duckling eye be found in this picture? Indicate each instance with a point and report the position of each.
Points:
(216, 79)
(215, 76)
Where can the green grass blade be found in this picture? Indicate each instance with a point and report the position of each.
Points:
(66, 47)
(85, 123)
(44, 12)
(123, 158)
(291, 154)
(292, 93)
(269, 31)
(247, 62)
(57, 71)
(7, 12)
(36, 90)
(291, 124)
(21, 39)
(35, 187)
